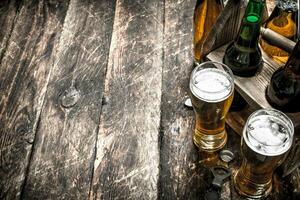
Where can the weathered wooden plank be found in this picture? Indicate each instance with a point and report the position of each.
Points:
(253, 88)
(127, 163)
(63, 156)
(8, 13)
(24, 70)
(181, 175)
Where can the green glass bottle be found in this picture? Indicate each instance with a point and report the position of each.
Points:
(243, 55)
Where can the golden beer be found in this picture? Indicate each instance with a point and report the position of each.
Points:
(267, 136)
(211, 86)
(205, 15)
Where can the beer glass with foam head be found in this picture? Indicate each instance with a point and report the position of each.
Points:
(211, 91)
(267, 137)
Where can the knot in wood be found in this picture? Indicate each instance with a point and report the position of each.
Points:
(22, 129)
(105, 100)
(70, 98)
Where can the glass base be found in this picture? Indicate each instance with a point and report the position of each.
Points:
(210, 142)
(246, 187)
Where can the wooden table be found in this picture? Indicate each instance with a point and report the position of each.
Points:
(91, 102)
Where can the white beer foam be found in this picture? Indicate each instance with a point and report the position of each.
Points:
(268, 135)
(211, 85)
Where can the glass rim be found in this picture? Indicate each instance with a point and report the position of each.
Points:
(225, 69)
(287, 121)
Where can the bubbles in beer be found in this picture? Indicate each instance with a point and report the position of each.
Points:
(211, 85)
(268, 135)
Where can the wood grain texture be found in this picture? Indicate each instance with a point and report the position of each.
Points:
(253, 88)
(8, 13)
(24, 71)
(226, 27)
(62, 162)
(181, 176)
(91, 103)
(270, 5)
(127, 162)
(295, 180)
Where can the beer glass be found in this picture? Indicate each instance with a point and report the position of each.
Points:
(267, 136)
(211, 91)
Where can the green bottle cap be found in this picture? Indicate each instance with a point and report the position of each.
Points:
(252, 18)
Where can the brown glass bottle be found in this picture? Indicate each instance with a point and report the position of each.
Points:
(205, 15)
(282, 21)
(283, 92)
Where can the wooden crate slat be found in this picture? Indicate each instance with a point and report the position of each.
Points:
(237, 119)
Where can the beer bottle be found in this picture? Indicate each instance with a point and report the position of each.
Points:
(243, 55)
(282, 21)
(205, 15)
(283, 92)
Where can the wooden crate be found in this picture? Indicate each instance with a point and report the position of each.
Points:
(252, 89)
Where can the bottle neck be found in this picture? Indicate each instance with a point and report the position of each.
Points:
(250, 26)
(293, 62)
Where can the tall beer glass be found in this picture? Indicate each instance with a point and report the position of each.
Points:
(267, 136)
(211, 91)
